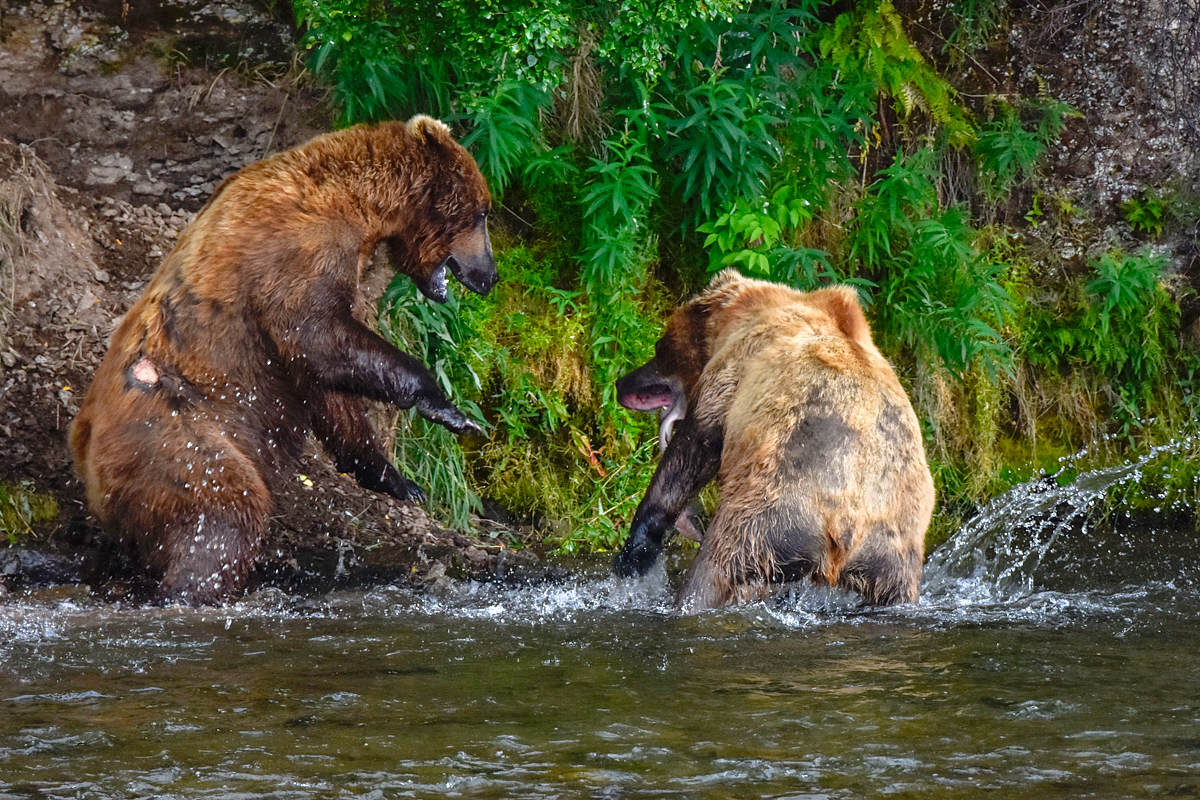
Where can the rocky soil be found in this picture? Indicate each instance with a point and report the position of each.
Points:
(116, 123)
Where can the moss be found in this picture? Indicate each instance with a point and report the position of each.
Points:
(21, 509)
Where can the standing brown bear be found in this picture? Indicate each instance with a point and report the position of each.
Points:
(250, 335)
(782, 396)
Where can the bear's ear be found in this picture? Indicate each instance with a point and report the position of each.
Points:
(727, 275)
(841, 303)
(433, 131)
(722, 290)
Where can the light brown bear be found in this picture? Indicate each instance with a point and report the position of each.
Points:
(250, 335)
(783, 397)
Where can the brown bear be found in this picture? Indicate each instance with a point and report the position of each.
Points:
(250, 335)
(783, 397)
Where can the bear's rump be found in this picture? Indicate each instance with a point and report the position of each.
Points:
(143, 453)
(811, 500)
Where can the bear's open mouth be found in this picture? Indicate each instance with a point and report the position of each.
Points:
(435, 286)
(648, 398)
(477, 274)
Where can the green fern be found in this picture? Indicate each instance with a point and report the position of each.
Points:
(1147, 212)
(871, 40)
(355, 52)
(719, 142)
(755, 236)
(1135, 322)
(936, 294)
(1008, 149)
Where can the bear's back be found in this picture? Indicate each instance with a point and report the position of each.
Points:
(818, 418)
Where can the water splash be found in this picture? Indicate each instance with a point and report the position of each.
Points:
(1037, 553)
(1002, 553)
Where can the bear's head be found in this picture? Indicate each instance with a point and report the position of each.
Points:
(694, 329)
(449, 213)
(665, 381)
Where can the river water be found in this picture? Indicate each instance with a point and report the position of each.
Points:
(1047, 658)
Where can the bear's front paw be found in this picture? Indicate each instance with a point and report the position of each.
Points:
(635, 559)
(452, 420)
(403, 489)
(468, 427)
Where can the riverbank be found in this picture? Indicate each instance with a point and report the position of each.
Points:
(117, 120)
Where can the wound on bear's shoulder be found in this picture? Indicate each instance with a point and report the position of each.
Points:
(145, 372)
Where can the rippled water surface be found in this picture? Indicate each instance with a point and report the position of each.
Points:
(1039, 663)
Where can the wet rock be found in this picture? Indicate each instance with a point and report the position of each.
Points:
(22, 568)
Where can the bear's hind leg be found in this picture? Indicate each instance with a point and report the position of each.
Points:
(206, 555)
(732, 565)
(193, 505)
(886, 570)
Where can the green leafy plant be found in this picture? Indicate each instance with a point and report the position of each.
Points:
(1147, 212)
(871, 40)
(428, 453)
(977, 21)
(1118, 334)
(503, 133)
(1009, 148)
(1135, 320)
(756, 237)
(720, 137)
(935, 292)
(619, 192)
(355, 43)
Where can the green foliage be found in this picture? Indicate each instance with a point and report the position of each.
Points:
(871, 40)
(645, 145)
(619, 192)
(562, 447)
(426, 452)
(506, 41)
(641, 38)
(753, 237)
(935, 293)
(525, 357)
(1006, 151)
(21, 508)
(977, 21)
(720, 139)
(1119, 331)
(356, 43)
(1009, 147)
(1147, 212)
(504, 134)
(1135, 322)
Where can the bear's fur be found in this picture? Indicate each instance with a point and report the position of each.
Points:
(783, 397)
(250, 334)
